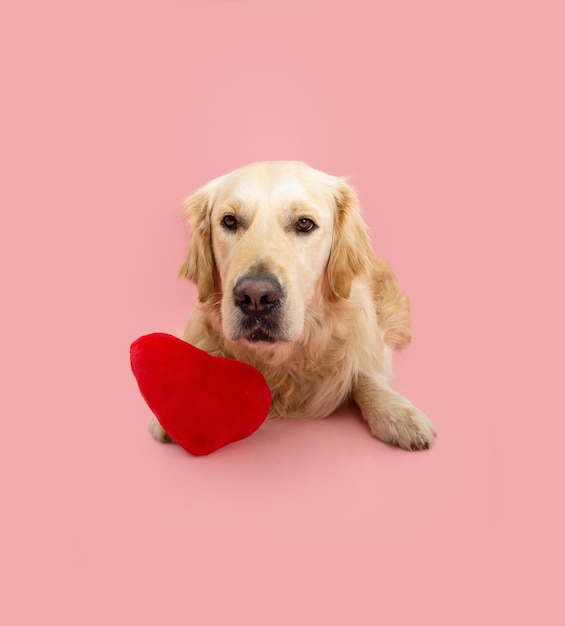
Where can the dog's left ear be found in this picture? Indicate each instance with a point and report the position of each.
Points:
(199, 265)
(351, 254)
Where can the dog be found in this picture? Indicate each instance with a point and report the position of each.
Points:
(288, 282)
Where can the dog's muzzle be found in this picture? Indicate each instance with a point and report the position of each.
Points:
(258, 300)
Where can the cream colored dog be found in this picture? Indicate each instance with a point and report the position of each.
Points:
(288, 282)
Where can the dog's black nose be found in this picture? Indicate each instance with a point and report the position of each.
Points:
(257, 295)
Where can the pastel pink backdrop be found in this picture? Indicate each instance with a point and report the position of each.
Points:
(448, 116)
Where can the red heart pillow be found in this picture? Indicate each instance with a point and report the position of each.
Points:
(203, 402)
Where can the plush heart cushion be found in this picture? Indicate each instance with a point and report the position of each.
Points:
(203, 402)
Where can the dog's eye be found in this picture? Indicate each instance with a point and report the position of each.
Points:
(229, 222)
(305, 225)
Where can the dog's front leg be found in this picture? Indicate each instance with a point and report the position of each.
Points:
(158, 432)
(391, 417)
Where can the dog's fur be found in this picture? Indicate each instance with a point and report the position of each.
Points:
(337, 315)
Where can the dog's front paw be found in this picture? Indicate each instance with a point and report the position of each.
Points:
(158, 432)
(403, 425)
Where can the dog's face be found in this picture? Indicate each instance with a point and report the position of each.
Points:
(271, 238)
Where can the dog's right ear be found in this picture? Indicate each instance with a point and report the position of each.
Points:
(199, 266)
(351, 254)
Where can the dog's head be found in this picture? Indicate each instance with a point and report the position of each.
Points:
(269, 239)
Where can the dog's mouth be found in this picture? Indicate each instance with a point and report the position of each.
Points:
(259, 334)
(259, 330)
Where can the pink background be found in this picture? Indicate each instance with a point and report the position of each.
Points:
(449, 118)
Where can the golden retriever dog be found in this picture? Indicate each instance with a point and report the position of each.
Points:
(288, 282)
